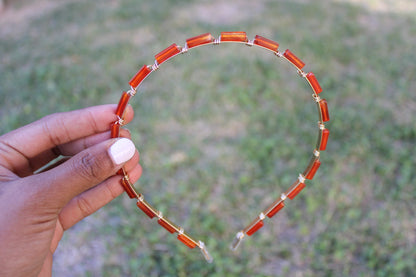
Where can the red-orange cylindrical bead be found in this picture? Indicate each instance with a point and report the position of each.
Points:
(165, 224)
(187, 241)
(255, 228)
(314, 82)
(296, 191)
(199, 40)
(115, 130)
(323, 105)
(122, 104)
(266, 43)
(127, 187)
(276, 209)
(145, 208)
(293, 59)
(234, 36)
(140, 75)
(167, 53)
(313, 169)
(324, 139)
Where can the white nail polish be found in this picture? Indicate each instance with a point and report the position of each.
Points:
(122, 150)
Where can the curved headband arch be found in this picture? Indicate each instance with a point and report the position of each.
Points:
(298, 185)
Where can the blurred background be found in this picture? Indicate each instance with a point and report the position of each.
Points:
(224, 130)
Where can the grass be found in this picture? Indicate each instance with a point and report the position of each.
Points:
(223, 131)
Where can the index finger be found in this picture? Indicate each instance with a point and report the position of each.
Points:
(61, 128)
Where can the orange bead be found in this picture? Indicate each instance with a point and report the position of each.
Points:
(146, 208)
(255, 228)
(266, 43)
(167, 225)
(115, 130)
(314, 83)
(140, 76)
(186, 240)
(296, 191)
(167, 53)
(323, 105)
(324, 139)
(122, 104)
(313, 169)
(234, 36)
(293, 59)
(199, 40)
(276, 209)
(127, 187)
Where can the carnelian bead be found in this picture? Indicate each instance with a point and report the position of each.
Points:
(266, 43)
(115, 130)
(293, 59)
(276, 209)
(255, 228)
(127, 187)
(323, 105)
(167, 53)
(234, 36)
(314, 83)
(313, 169)
(324, 139)
(199, 40)
(140, 76)
(124, 100)
(186, 240)
(146, 208)
(167, 225)
(296, 191)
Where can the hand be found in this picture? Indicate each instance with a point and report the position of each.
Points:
(35, 209)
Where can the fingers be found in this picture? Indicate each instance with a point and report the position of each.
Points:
(61, 128)
(69, 149)
(90, 201)
(74, 147)
(88, 168)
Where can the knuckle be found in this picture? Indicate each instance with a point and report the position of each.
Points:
(84, 206)
(88, 167)
(50, 123)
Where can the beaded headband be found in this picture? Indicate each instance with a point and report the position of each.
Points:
(291, 192)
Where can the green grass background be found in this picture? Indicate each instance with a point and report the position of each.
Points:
(223, 131)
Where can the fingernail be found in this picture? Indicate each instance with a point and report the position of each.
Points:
(122, 150)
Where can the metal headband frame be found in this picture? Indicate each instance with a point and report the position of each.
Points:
(291, 192)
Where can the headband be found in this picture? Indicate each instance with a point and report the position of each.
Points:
(298, 185)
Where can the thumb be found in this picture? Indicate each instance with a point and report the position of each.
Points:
(83, 171)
